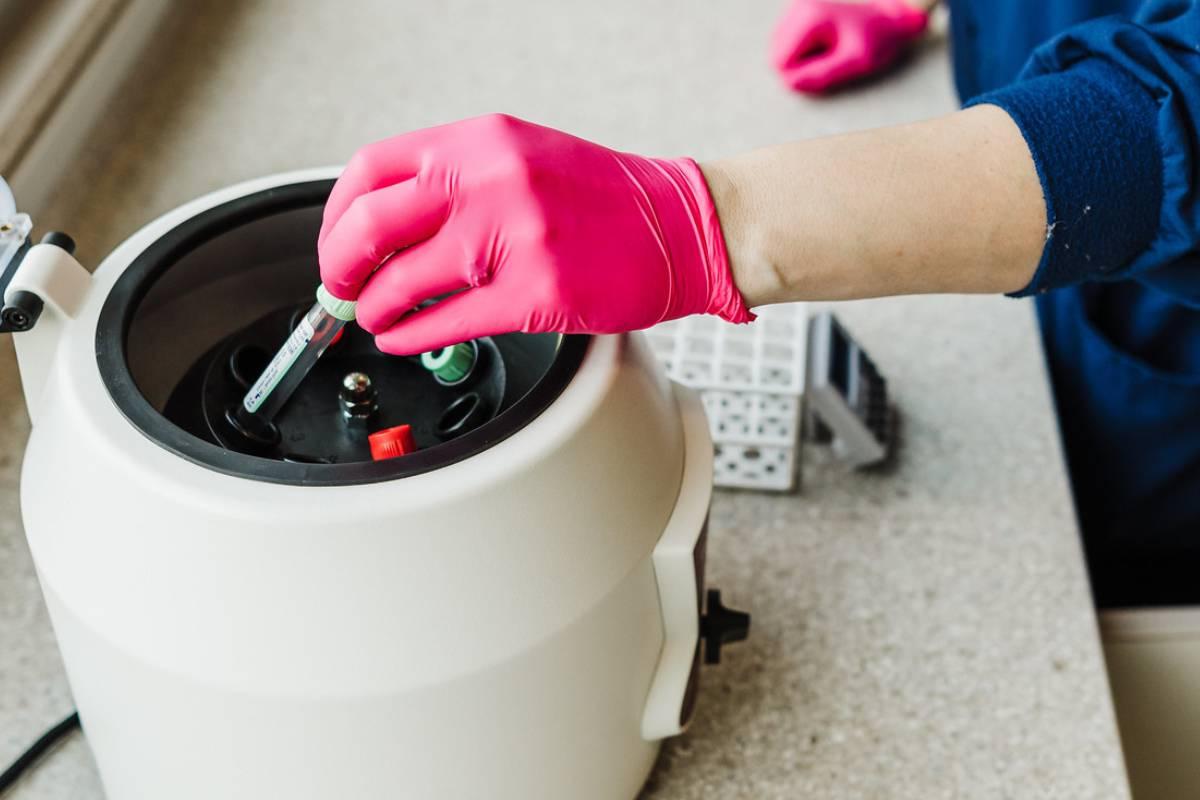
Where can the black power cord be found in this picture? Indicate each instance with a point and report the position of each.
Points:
(36, 750)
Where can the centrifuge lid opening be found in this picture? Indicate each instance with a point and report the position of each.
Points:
(203, 243)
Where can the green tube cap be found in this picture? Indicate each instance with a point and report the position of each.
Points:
(337, 308)
(451, 364)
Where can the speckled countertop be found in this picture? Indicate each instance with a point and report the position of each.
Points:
(920, 633)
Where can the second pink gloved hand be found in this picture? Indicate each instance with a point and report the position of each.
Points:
(819, 45)
(535, 230)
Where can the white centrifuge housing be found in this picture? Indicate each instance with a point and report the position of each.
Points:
(514, 612)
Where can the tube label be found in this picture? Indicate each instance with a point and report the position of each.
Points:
(279, 366)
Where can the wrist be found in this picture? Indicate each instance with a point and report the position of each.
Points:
(754, 276)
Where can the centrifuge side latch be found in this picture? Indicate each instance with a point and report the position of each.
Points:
(23, 306)
(721, 626)
(42, 288)
(21, 311)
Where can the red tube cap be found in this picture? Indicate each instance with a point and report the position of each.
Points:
(392, 442)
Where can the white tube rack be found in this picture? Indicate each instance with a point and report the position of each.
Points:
(752, 380)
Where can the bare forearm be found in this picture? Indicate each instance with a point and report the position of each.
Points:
(949, 205)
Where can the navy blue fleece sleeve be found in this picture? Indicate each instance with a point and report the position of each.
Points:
(1110, 110)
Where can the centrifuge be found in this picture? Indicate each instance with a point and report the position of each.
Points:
(505, 601)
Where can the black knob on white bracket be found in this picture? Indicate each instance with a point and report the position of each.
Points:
(42, 286)
(60, 240)
(20, 311)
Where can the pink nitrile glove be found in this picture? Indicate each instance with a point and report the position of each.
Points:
(533, 230)
(819, 45)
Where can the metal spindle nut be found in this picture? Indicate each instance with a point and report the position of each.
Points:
(358, 396)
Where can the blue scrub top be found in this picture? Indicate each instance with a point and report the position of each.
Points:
(1107, 95)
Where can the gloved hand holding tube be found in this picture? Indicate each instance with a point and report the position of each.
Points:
(531, 230)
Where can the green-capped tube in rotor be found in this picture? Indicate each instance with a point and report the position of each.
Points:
(451, 364)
